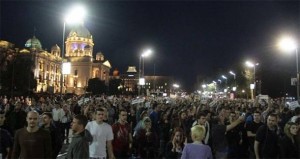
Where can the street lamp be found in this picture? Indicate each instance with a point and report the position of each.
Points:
(289, 44)
(220, 81)
(251, 64)
(74, 16)
(232, 73)
(224, 77)
(146, 53)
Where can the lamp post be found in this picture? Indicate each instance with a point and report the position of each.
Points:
(74, 16)
(146, 53)
(289, 44)
(224, 77)
(232, 73)
(251, 64)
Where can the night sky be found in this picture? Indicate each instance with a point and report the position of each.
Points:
(189, 38)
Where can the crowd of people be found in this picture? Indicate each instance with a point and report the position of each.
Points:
(148, 127)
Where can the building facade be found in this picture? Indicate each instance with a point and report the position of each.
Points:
(47, 67)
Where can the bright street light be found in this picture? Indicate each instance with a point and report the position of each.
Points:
(224, 77)
(75, 15)
(289, 44)
(175, 85)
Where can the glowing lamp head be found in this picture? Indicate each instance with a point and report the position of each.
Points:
(287, 44)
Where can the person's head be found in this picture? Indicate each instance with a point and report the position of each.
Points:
(2, 117)
(197, 133)
(147, 123)
(232, 116)
(201, 118)
(144, 115)
(156, 107)
(272, 121)
(32, 119)
(297, 111)
(224, 111)
(78, 124)
(47, 118)
(122, 115)
(178, 135)
(65, 107)
(99, 115)
(256, 116)
(182, 115)
(291, 130)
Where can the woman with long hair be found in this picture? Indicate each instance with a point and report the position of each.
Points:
(176, 144)
(288, 145)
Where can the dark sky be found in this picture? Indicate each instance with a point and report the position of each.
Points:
(189, 38)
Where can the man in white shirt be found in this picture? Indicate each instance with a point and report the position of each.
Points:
(57, 114)
(102, 137)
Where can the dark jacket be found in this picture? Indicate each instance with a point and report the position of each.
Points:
(288, 149)
(79, 147)
(56, 139)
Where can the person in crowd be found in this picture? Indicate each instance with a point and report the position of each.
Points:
(122, 142)
(56, 136)
(57, 114)
(4, 125)
(146, 140)
(164, 133)
(234, 137)
(201, 120)
(288, 145)
(16, 119)
(219, 130)
(197, 149)
(140, 125)
(65, 120)
(154, 116)
(175, 146)
(102, 136)
(32, 142)
(251, 129)
(266, 139)
(183, 122)
(296, 115)
(5, 143)
(79, 146)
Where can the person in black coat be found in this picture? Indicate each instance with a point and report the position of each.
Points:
(288, 145)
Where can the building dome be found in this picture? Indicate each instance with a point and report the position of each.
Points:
(33, 43)
(80, 31)
(116, 72)
(55, 47)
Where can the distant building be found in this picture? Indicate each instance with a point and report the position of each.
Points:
(153, 84)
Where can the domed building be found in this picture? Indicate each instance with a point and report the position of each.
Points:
(33, 43)
(79, 52)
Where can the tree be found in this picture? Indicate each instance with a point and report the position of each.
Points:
(96, 86)
(114, 87)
